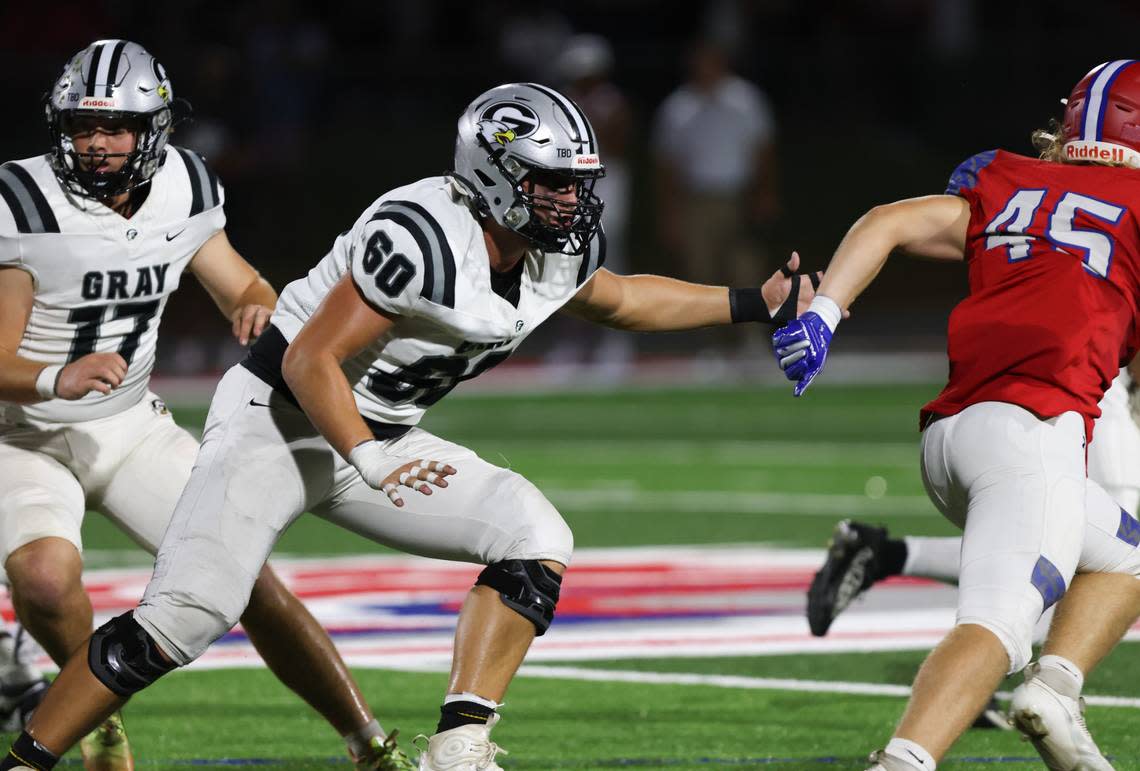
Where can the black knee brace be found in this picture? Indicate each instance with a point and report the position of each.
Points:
(527, 587)
(123, 657)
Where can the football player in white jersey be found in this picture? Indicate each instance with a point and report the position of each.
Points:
(434, 283)
(94, 237)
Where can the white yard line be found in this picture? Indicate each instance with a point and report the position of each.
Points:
(759, 683)
(733, 681)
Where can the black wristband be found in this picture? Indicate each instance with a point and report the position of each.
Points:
(26, 752)
(747, 305)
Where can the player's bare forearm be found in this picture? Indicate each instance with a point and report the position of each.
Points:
(17, 374)
(231, 281)
(648, 303)
(259, 292)
(932, 227)
(318, 382)
(339, 328)
(18, 378)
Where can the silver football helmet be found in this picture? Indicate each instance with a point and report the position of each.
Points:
(525, 129)
(114, 79)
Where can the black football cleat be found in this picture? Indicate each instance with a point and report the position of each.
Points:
(854, 561)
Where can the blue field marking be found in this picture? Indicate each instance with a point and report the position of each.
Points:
(265, 762)
(828, 760)
(769, 761)
(144, 763)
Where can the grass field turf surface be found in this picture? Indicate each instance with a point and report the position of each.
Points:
(641, 468)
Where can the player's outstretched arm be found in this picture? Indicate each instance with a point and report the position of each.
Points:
(934, 227)
(650, 303)
(242, 295)
(339, 329)
(23, 381)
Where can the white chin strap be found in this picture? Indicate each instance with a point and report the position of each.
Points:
(1101, 152)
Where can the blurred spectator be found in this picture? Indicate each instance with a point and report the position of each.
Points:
(583, 72)
(714, 148)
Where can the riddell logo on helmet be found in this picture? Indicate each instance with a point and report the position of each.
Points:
(586, 161)
(1110, 154)
(96, 103)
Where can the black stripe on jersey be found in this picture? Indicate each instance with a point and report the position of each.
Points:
(197, 186)
(577, 117)
(594, 258)
(215, 197)
(29, 205)
(404, 220)
(438, 258)
(446, 257)
(9, 196)
(93, 70)
(113, 71)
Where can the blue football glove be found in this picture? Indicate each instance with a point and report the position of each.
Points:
(801, 349)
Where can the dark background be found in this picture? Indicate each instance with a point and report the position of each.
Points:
(309, 111)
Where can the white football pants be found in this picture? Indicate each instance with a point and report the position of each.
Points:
(260, 467)
(1113, 463)
(130, 467)
(1016, 485)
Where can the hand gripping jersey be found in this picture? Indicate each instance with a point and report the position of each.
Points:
(1052, 252)
(418, 253)
(101, 281)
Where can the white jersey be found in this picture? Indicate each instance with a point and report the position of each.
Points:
(418, 253)
(101, 281)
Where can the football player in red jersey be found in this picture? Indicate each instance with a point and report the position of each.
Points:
(1052, 247)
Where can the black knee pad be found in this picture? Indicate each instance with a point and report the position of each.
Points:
(527, 587)
(123, 657)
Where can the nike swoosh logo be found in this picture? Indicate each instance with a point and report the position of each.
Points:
(252, 403)
(916, 757)
(172, 237)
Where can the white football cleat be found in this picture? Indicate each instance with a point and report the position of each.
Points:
(1055, 723)
(465, 748)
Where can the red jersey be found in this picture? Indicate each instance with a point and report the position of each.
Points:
(1053, 252)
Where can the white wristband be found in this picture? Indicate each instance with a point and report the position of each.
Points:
(371, 461)
(824, 307)
(46, 381)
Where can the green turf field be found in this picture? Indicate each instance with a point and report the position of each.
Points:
(641, 468)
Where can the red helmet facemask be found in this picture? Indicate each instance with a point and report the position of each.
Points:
(1102, 115)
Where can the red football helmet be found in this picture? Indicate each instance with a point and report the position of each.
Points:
(1102, 115)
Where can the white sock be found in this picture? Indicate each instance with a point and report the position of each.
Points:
(1064, 676)
(466, 696)
(912, 753)
(937, 558)
(359, 740)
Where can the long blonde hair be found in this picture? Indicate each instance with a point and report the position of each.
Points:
(1049, 142)
(1050, 145)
